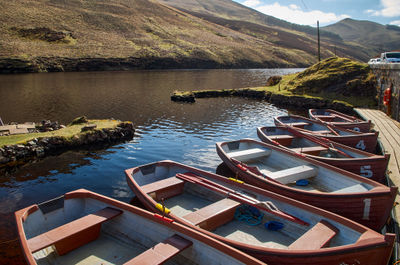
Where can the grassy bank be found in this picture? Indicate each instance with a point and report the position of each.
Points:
(334, 80)
(67, 132)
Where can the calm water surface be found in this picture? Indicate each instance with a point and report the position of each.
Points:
(164, 129)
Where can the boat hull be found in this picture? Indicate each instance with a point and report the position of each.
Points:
(133, 226)
(349, 122)
(371, 209)
(364, 141)
(377, 255)
(369, 165)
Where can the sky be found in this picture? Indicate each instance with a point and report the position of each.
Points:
(307, 12)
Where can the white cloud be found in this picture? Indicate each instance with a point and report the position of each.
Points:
(396, 22)
(294, 14)
(251, 3)
(390, 8)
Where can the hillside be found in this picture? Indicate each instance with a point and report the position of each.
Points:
(60, 35)
(375, 37)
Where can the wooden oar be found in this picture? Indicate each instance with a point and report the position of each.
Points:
(265, 206)
(242, 166)
(318, 141)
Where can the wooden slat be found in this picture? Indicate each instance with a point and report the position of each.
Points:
(317, 237)
(389, 136)
(161, 252)
(213, 215)
(162, 184)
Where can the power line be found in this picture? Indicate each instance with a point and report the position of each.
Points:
(304, 5)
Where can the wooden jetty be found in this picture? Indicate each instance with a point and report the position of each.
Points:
(389, 138)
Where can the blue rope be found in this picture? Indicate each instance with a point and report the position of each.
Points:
(249, 214)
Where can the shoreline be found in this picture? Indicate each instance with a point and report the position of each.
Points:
(279, 100)
(64, 64)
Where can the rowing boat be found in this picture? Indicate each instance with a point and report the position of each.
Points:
(86, 228)
(296, 176)
(266, 225)
(363, 141)
(336, 118)
(354, 160)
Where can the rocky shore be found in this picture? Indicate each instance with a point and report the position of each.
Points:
(17, 154)
(62, 64)
(279, 100)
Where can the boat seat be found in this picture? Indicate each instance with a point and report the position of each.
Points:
(161, 252)
(213, 215)
(311, 150)
(164, 189)
(352, 189)
(325, 117)
(317, 237)
(74, 234)
(293, 174)
(283, 139)
(300, 124)
(323, 132)
(249, 153)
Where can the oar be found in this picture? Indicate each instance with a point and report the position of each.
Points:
(265, 206)
(318, 141)
(242, 166)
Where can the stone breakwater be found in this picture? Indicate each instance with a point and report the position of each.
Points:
(278, 100)
(13, 155)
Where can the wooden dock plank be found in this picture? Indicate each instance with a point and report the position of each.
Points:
(389, 134)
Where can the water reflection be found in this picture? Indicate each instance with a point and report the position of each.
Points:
(165, 130)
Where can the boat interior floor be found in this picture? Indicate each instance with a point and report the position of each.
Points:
(254, 235)
(104, 250)
(185, 203)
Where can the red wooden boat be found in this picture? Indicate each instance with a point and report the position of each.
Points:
(354, 160)
(334, 189)
(86, 228)
(266, 225)
(336, 118)
(363, 141)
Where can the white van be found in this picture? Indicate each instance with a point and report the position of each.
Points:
(390, 57)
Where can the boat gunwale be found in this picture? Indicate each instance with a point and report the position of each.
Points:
(263, 136)
(332, 127)
(356, 121)
(377, 186)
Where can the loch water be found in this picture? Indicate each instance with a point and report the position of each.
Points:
(182, 132)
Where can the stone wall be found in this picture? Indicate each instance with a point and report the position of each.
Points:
(388, 75)
(13, 155)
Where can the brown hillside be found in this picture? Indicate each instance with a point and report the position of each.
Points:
(134, 29)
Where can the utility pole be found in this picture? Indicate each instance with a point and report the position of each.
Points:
(319, 44)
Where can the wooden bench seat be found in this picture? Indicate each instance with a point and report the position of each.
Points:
(164, 188)
(327, 118)
(161, 252)
(317, 237)
(213, 215)
(74, 234)
(293, 174)
(283, 139)
(311, 150)
(249, 154)
(299, 124)
(323, 132)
